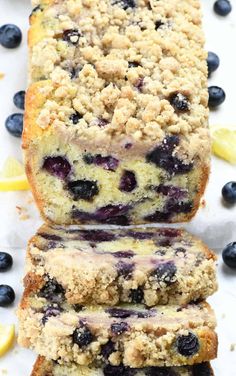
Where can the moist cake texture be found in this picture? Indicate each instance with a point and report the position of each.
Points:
(150, 266)
(44, 367)
(116, 124)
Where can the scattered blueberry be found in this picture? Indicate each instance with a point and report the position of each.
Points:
(7, 295)
(109, 211)
(109, 370)
(170, 232)
(6, 261)
(213, 62)
(229, 255)
(179, 102)
(175, 206)
(50, 236)
(125, 4)
(118, 328)
(19, 99)
(52, 291)
(124, 254)
(136, 295)
(202, 369)
(158, 24)
(229, 192)
(119, 312)
(127, 182)
(71, 36)
(222, 7)
(125, 269)
(107, 349)
(110, 214)
(108, 162)
(97, 235)
(10, 36)
(139, 235)
(158, 216)
(171, 191)
(14, 124)
(57, 166)
(83, 189)
(160, 371)
(216, 96)
(139, 84)
(165, 272)
(82, 335)
(75, 117)
(102, 122)
(162, 156)
(51, 311)
(187, 345)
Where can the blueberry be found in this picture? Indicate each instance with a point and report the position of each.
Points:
(6, 261)
(229, 255)
(216, 96)
(51, 311)
(158, 216)
(139, 84)
(19, 99)
(52, 291)
(57, 166)
(222, 7)
(14, 124)
(7, 295)
(121, 370)
(165, 272)
(128, 181)
(110, 211)
(71, 36)
(83, 189)
(107, 349)
(125, 269)
(139, 235)
(119, 312)
(133, 64)
(171, 191)
(160, 371)
(202, 369)
(10, 36)
(97, 235)
(82, 335)
(187, 345)
(50, 236)
(179, 102)
(175, 206)
(121, 220)
(229, 192)
(118, 328)
(125, 4)
(75, 117)
(170, 232)
(162, 156)
(159, 24)
(136, 295)
(213, 62)
(124, 254)
(108, 162)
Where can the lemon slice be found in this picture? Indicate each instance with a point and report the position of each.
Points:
(12, 176)
(224, 143)
(7, 336)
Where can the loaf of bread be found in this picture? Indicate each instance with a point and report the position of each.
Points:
(45, 367)
(142, 265)
(116, 124)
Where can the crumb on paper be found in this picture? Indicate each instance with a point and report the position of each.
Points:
(203, 203)
(23, 213)
(2, 75)
(232, 346)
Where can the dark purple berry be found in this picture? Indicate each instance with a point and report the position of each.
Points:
(82, 335)
(57, 166)
(118, 328)
(171, 191)
(158, 217)
(229, 192)
(169, 232)
(123, 254)
(75, 117)
(108, 163)
(71, 36)
(7, 295)
(119, 312)
(111, 211)
(121, 220)
(125, 4)
(165, 272)
(51, 311)
(121, 370)
(222, 7)
(128, 182)
(6, 261)
(10, 36)
(213, 62)
(14, 124)
(139, 84)
(175, 207)
(133, 64)
(179, 102)
(19, 100)
(50, 236)
(187, 345)
(97, 235)
(202, 369)
(125, 269)
(136, 295)
(229, 255)
(216, 96)
(163, 157)
(139, 235)
(160, 371)
(107, 349)
(52, 291)
(128, 145)
(102, 122)
(83, 189)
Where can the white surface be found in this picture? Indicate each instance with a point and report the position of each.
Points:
(215, 223)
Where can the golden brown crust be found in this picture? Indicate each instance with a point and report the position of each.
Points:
(42, 367)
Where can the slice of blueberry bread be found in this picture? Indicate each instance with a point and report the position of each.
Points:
(45, 367)
(130, 334)
(116, 124)
(150, 266)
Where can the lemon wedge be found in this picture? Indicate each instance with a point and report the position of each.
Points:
(7, 336)
(12, 176)
(224, 143)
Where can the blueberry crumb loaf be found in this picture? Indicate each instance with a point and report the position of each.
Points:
(131, 334)
(116, 124)
(45, 367)
(150, 266)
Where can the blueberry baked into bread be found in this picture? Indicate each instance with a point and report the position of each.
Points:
(45, 367)
(150, 266)
(116, 124)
